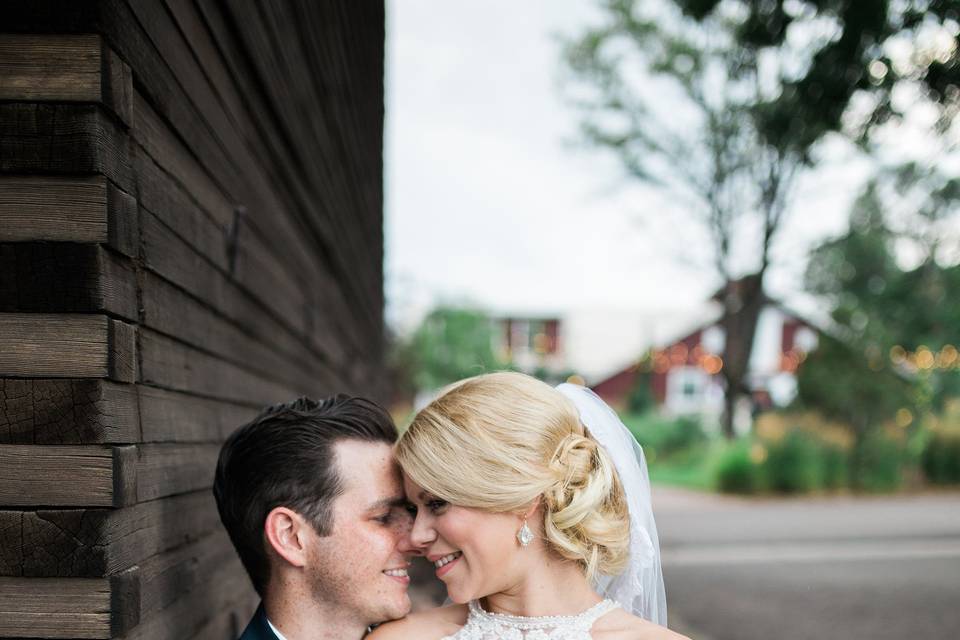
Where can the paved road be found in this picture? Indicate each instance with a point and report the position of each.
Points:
(871, 568)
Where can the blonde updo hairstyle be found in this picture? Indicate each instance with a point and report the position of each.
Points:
(500, 441)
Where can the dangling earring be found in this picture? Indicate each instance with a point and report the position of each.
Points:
(524, 536)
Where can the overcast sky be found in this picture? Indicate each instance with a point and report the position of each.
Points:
(488, 203)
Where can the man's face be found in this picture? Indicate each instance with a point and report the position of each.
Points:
(362, 565)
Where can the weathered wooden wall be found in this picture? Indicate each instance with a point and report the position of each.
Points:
(190, 228)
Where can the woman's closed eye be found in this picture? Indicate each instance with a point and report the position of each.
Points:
(436, 505)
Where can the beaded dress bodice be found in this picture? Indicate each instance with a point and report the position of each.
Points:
(482, 625)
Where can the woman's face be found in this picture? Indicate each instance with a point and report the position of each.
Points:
(474, 552)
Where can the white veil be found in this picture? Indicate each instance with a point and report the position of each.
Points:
(639, 589)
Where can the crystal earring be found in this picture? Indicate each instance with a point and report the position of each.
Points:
(524, 536)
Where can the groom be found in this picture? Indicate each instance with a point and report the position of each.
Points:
(313, 502)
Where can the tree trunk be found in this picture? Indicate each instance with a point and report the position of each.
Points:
(743, 301)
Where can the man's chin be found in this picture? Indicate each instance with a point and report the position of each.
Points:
(396, 610)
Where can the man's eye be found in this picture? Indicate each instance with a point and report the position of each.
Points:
(411, 510)
(386, 518)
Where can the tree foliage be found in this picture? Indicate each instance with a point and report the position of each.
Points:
(887, 316)
(848, 49)
(451, 344)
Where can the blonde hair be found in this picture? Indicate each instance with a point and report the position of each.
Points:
(500, 441)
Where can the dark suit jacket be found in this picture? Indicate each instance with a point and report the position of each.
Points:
(258, 629)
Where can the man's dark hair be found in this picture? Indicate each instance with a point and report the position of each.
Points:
(285, 457)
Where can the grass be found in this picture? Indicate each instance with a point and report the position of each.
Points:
(690, 469)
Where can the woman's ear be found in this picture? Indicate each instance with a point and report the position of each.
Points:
(286, 532)
(532, 509)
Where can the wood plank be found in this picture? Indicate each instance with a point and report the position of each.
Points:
(87, 209)
(53, 345)
(66, 345)
(52, 208)
(172, 416)
(165, 577)
(171, 311)
(64, 67)
(63, 138)
(169, 201)
(78, 411)
(169, 469)
(50, 67)
(69, 607)
(11, 543)
(306, 73)
(66, 277)
(170, 256)
(190, 613)
(174, 157)
(122, 339)
(99, 542)
(55, 475)
(174, 365)
(309, 309)
(290, 141)
(99, 476)
(55, 607)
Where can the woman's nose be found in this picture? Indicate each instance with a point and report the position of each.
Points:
(422, 533)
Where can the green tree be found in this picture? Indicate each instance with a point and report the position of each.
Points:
(708, 152)
(847, 49)
(451, 344)
(889, 322)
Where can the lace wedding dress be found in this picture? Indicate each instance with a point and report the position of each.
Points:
(482, 625)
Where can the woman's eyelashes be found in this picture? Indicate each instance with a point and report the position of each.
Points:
(436, 505)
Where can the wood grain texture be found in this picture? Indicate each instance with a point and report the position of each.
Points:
(56, 476)
(55, 607)
(170, 310)
(53, 208)
(169, 416)
(66, 277)
(79, 411)
(165, 577)
(64, 67)
(174, 365)
(169, 469)
(69, 607)
(101, 476)
(65, 345)
(189, 615)
(44, 345)
(100, 542)
(86, 209)
(63, 138)
(11, 543)
(50, 67)
(170, 256)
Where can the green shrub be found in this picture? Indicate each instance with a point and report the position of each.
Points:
(940, 460)
(735, 471)
(878, 462)
(664, 436)
(793, 464)
(836, 468)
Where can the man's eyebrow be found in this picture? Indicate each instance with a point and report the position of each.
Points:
(392, 501)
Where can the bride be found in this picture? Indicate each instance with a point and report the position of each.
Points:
(533, 503)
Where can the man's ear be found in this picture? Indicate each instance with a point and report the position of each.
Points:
(286, 532)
